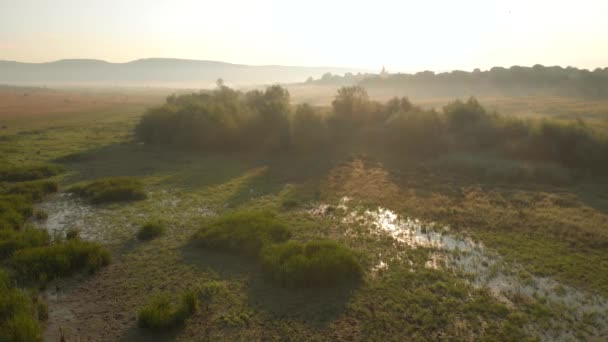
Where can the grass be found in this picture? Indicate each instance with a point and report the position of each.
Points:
(14, 240)
(315, 263)
(34, 190)
(28, 172)
(151, 230)
(162, 314)
(17, 313)
(14, 209)
(245, 232)
(115, 189)
(59, 260)
(528, 222)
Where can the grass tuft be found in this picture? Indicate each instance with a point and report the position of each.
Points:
(34, 190)
(151, 230)
(245, 232)
(116, 189)
(49, 262)
(313, 264)
(28, 172)
(162, 314)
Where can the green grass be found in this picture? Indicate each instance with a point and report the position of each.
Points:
(162, 314)
(29, 172)
(151, 230)
(17, 313)
(14, 210)
(550, 228)
(115, 189)
(315, 263)
(63, 259)
(14, 240)
(34, 190)
(245, 232)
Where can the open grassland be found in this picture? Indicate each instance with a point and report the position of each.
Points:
(536, 230)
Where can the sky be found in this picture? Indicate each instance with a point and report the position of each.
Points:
(400, 35)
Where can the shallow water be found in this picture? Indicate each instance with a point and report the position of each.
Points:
(66, 211)
(482, 267)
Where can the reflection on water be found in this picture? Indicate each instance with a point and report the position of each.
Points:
(481, 266)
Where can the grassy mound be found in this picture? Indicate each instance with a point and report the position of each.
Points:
(14, 240)
(64, 259)
(151, 230)
(14, 210)
(116, 189)
(34, 190)
(28, 172)
(242, 232)
(316, 263)
(162, 314)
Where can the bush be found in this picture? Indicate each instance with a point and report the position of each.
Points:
(34, 190)
(316, 263)
(28, 172)
(223, 119)
(242, 232)
(63, 259)
(114, 189)
(308, 129)
(151, 230)
(162, 314)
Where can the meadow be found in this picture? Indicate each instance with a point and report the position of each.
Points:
(336, 243)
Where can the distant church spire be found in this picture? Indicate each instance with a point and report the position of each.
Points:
(383, 72)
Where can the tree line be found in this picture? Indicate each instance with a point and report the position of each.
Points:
(264, 120)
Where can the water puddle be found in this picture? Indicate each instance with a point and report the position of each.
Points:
(65, 212)
(480, 266)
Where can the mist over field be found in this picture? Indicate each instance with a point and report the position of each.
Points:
(314, 171)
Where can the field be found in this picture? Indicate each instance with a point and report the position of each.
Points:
(445, 255)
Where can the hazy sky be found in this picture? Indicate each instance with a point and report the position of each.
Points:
(402, 35)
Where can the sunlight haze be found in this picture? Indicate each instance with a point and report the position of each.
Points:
(401, 35)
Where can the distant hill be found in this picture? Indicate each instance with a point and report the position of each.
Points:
(154, 72)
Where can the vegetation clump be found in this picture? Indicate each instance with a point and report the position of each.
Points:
(162, 314)
(151, 230)
(115, 189)
(228, 119)
(28, 172)
(18, 321)
(14, 210)
(34, 190)
(58, 260)
(312, 264)
(291, 264)
(13, 240)
(245, 232)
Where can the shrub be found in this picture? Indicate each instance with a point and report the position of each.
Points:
(12, 240)
(34, 190)
(151, 230)
(162, 314)
(28, 172)
(63, 259)
(242, 232)
(114, 189)
(316, 263)
(308, 129)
